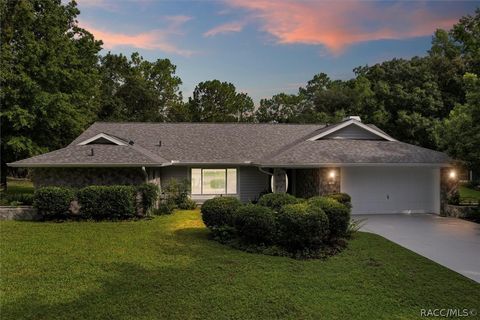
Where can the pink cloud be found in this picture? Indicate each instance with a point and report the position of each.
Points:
(338, 24)
(230, 27)
(157, 39)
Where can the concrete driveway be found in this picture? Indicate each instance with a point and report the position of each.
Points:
(451, 242)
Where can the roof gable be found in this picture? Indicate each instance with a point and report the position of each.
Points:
(102, 138)
(352, 130)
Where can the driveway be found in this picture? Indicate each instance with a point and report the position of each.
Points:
(451, 242)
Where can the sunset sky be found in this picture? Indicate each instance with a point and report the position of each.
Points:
(267, 47)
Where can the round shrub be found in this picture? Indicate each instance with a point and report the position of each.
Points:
(276, 201)
(302, 227)
(343, 198)
(219, 211)
(255, 224)
(107, 202)
(53, 202)
(337, 213)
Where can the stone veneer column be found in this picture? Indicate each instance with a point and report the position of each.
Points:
(448, 187)
(327, 184)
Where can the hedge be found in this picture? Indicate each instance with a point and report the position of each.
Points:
(149, 193)
(107, 202)
(53, 202)
(276, 201)
(343, 198)
(220, 211)
(256, 224)
(302, 227)
(337, 213)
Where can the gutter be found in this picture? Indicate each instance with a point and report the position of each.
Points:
(86, 165)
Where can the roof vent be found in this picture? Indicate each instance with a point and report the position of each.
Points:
(131, 142)
(357, 118)
(91, 153)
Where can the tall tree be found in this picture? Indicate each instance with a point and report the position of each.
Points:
(459, 133)
(138, 90)
(215, 101)
(49, 77)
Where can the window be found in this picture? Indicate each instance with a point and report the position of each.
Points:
(214, 181)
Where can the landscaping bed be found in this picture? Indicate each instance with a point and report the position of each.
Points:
(167, 268)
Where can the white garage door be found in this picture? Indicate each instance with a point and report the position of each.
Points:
(392, 189)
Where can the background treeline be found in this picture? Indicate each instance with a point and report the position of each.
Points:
(55, 82)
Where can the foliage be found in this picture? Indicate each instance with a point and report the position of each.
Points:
(302, 227)
(256, 224)
(187, 204)
(107, 202)
(454, 198)
(53, 202)
(25, 199)
(337, 213)
(149, 193)
(343, 198)
(276, 201)
(164, 208)
(48, 77)
(215, 101)
(220, 211)
(176, 192)
(354, 226)
(136, 89)
(459, 133)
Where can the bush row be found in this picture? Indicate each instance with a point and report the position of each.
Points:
(296, 225)
(96, 202)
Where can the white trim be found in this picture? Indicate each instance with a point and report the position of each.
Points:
(104, 136)
(348, 123)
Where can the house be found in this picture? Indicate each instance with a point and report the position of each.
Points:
(381, 174)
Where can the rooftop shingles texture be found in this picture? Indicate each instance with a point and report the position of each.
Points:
(102, 154)
(205, 142)
(229, 144)
(356, 151)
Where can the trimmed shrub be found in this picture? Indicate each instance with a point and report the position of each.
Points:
(53, 202)
(149, 193)
(255, 224)
(187, 204)
(337, 213)
(176, 191)
(25, 199)
(219, 211)
(343, 198)
(107, 202)
(276, 201)
(302, 227)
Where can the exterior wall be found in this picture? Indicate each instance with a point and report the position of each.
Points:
(316, 181)
(252, 182)
(448, 186)
(352, 132)
(81, 177)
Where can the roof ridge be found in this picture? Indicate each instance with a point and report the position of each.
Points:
(212, 123)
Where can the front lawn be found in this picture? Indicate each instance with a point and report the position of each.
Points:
(469, 195)
(166, 268)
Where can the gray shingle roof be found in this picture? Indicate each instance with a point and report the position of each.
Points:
(232, 143)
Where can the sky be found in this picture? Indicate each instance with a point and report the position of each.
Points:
(266, 47)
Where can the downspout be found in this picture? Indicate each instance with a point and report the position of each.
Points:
(144, 170)
(265, 172)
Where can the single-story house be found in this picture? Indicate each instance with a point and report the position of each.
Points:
(381, 174)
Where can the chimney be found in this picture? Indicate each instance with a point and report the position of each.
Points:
(356, 118)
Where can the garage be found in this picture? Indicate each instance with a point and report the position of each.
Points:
(392, 189)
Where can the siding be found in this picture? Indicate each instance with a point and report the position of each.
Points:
(172, 172)
(353, 132)
(252, 183)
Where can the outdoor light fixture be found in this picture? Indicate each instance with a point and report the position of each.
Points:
(452, 174)
(332, 174)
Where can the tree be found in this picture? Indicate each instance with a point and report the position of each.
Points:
(138, 90)
(459, 133)
(215, 101)
(49, 77)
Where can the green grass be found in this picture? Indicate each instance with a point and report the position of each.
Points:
(469, 193)
(166, 268)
